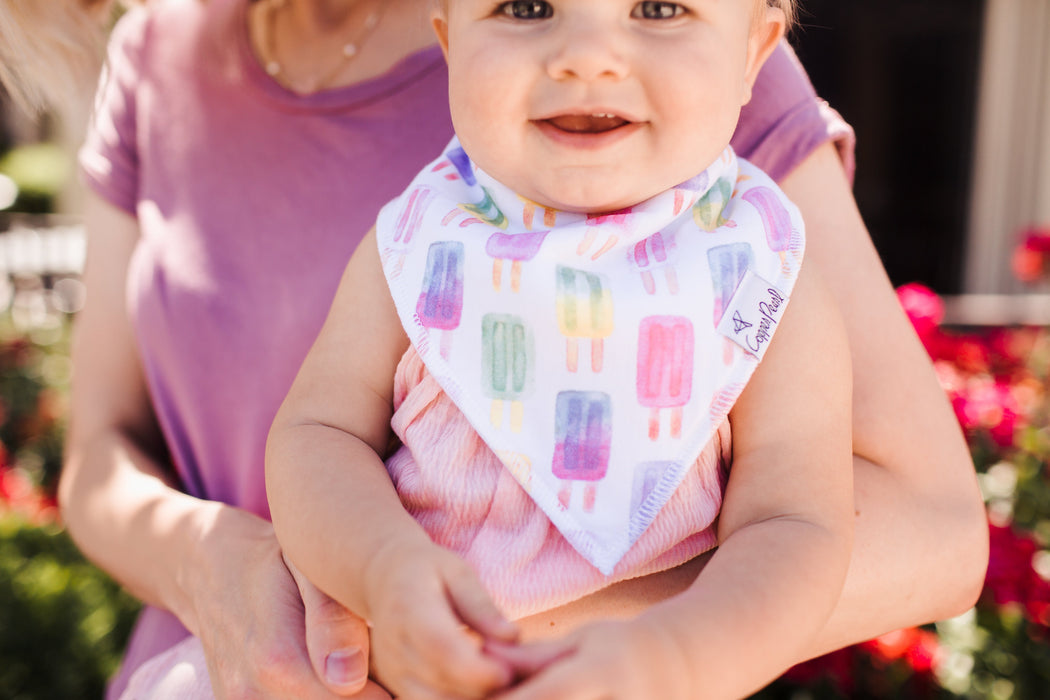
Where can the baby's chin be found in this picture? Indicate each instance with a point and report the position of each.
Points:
(585, 200)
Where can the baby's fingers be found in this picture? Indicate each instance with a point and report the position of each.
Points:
(446, 658)
(475, 608)
(528, 659)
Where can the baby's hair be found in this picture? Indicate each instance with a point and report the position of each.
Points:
(50, 52)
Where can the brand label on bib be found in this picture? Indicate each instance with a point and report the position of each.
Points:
(753, 313)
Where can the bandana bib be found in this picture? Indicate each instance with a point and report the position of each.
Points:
(595, 355)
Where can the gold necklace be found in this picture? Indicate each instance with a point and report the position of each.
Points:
(349, 50)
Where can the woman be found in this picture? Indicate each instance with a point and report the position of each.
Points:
(238, 153)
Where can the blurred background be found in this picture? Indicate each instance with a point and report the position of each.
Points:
(951, 103)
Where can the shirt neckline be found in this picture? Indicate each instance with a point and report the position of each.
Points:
(403, 73)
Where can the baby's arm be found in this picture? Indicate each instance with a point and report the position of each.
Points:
(785, 533)
(339, 519)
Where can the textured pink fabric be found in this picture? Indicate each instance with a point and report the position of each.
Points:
(250, 200)
(470, 503)
(180, 673)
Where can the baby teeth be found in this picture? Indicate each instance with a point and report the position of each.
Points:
(606, 115)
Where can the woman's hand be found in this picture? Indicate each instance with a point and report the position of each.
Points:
(267, 632)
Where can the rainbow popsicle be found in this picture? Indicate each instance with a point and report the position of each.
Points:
(441, 299)
(775, 218)
(665, 369)
(516, 247)
(709, 211)
(486, 210)
(583, 433)
(651, 254)
(507, 359)
(585, 310)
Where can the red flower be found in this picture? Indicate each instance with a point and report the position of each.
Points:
(989, 404)
(1029, 258)
(19, 494)
(919, 648)
(1012, 579)
(925, 310)
(1027, 263)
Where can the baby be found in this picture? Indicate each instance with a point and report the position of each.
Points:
(577, 322)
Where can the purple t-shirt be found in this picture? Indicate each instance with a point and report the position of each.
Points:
(250, 200)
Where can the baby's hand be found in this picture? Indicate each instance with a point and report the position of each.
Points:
(610, 660)
(430, 619)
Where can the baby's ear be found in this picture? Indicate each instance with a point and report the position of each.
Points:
(767, 30)
(439, 20)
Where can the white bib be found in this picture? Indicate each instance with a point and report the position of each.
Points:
(595, 355)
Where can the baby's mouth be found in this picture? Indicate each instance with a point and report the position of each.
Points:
(587, 123)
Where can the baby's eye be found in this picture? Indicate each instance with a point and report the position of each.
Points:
(657, 10)
(526, 9)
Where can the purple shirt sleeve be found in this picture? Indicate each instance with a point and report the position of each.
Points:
(785, 121)
(109, 158)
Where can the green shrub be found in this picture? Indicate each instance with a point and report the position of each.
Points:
(63, 623)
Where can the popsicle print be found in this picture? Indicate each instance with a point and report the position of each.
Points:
(651, 254)
(441, 299)
(709, 212)
(583, 433)
(516, 247)
(519, 465)
(550, 216)
(646, 476)
(486, 210)
(686, 193)
(507, 361)
(459, 159)
(665, 369)
(603, 223)
(728, 264)
(585, 311)
(408, 223)
(723, 401)
(775, 220)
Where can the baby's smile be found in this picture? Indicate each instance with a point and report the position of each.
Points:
(587, 123)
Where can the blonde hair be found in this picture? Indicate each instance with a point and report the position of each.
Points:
(790, 10)
(50, 52)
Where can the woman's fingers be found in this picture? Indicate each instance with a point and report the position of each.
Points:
(336, 639)
(252, 620)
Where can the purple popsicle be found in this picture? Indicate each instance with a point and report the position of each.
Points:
(775, 217)
(441, 300)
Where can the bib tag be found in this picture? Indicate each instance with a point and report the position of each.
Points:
(753, 313)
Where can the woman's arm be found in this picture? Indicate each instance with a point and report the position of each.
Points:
(921, 546)
(217, 568)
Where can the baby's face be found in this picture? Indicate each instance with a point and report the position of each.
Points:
(596, 105)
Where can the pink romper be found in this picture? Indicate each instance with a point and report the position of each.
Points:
(501, 531)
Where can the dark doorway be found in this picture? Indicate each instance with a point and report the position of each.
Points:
(904, 74)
